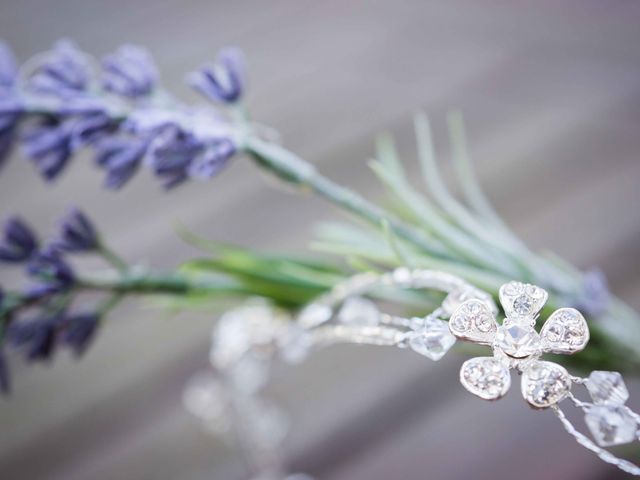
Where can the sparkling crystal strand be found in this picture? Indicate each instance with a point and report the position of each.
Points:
(607, 388)
(583, 440)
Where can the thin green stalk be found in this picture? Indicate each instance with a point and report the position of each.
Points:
(112, 258)
(292, 169)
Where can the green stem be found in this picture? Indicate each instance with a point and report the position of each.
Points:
(112, 258)
(146, 284)
(293, 169)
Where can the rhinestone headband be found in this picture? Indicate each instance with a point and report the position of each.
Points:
(246, 340)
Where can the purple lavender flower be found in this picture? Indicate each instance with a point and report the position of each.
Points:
(212, 160)
(37, 337)
(89, 129)
(77, 233)
(120, 157)
(8, 67)
(79, 331)
(171, 154)
(49, 147)
(129, 72)
(39, 291)
(49, 266)
(63, 73)
(223, 81)
(18, 243)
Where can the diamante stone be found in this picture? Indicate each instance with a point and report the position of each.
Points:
(522, 305)
(359, 311)
(611, 425)
(461, 323)
(513, 288)
(545, 383)
(485, 377)
(434, 340)
(484, 323)
(535, 292)
(607, 388)
(517, 340)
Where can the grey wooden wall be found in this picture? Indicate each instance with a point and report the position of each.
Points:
(551, 94)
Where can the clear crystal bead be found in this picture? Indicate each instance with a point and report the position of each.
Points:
(204, 396)
(611, 425)
(249, 374)
(434, 340)
(517, 340)
(295, 345)
(359, 311)
(315, 314)
(607, 388)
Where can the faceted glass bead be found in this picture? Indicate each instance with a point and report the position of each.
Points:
(434, 340)
(607, 388)
(517, 340)
(315, 314)
(611, 425)
(359, 311)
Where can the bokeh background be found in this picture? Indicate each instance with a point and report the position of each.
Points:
(551, 94)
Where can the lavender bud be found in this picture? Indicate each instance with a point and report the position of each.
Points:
(120, 158)
(49, 266)
(170, 155)
(79, 332)
(38, 291)
(89, 129)
(10, 110)
(36, 337)
(223, 81)
(5, 379)
(212, 160)
(63, 73)
(49, 147)
(77, 233)
(19, 242)
(129, 72)
(8, 67)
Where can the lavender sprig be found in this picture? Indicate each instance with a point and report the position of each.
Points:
(129, 72)
(72, 110)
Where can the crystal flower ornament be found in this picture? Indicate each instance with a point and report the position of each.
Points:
(517, 345)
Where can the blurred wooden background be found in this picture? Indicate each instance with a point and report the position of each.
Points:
(551, 95)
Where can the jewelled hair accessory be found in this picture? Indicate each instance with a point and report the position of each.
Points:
(247, 340)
